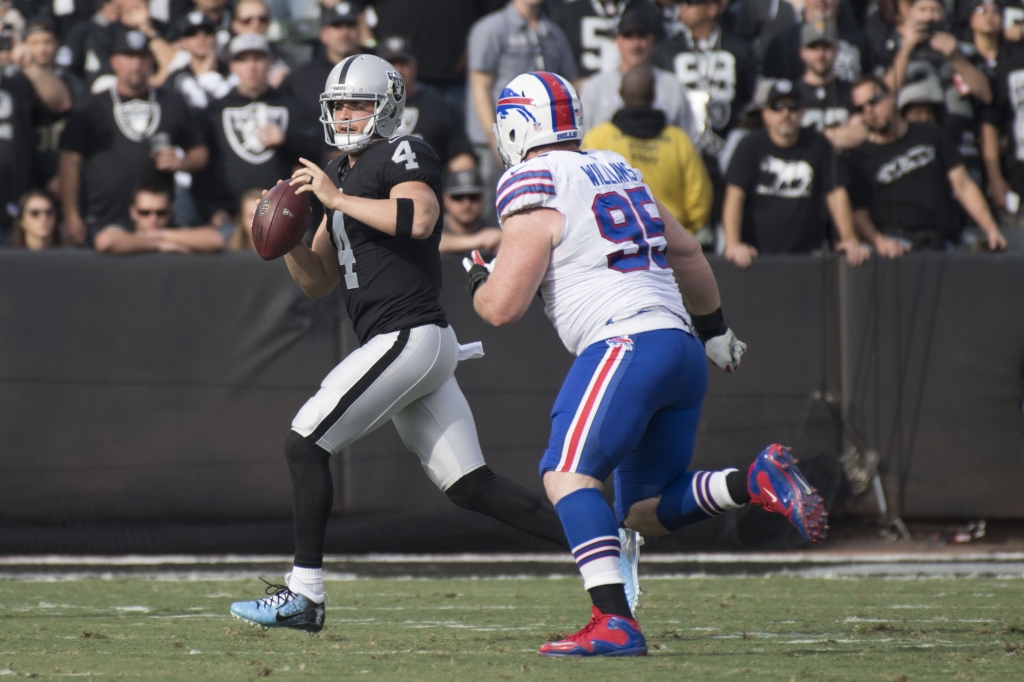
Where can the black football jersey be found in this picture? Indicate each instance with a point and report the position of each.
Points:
(389, 283)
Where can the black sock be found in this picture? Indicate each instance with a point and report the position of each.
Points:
(736, 482)
(312, 497)
(611, 600)
(501, 498)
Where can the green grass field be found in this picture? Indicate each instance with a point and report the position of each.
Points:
(779, 628)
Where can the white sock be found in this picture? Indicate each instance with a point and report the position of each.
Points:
(308, 582)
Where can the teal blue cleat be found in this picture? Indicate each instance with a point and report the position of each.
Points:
(282, 609)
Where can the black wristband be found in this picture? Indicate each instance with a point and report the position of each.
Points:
(476, 276)
(710, 325)
(403, 221)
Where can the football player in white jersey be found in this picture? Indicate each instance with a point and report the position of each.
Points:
(613, 268)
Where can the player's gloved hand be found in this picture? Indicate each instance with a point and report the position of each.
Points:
(720, 343)
(725, 350)
(477, 270)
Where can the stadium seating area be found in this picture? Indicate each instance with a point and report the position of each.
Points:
(170, 115)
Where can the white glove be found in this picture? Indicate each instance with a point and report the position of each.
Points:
(725, 350)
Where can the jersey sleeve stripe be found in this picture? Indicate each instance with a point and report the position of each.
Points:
(532, 175)
(526, 183)
(522, 191)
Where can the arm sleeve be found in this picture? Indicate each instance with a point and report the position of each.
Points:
(835, 172)
(742, 170)
(409, 159)
(532, 186)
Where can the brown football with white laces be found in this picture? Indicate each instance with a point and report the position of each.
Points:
(280, 221)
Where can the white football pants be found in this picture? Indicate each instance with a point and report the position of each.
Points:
(408, 377)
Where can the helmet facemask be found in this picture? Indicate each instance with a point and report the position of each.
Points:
(339, 133)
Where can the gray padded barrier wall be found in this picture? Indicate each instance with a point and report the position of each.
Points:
(160, 388)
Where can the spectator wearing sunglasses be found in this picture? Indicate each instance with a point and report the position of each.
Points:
(203, 78)
(464, 229)
(151, 229)
(906, 176)
(253, 16)
(35, 227)
(782, 184)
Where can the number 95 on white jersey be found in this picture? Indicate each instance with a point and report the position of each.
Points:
(608, 275)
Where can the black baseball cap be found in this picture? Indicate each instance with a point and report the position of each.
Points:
(395, 49)
(341, 13)
(127, 40)
(634, 19)
(781, 89)
(463, 182)
(192, 23)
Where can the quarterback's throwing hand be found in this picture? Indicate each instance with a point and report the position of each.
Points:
(725, 350)
(313, 179)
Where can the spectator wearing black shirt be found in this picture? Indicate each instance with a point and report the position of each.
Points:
(120, 139)
(39, 45)
(150, 229)
(204, 77)
(853, 51)
(256, 134)
(86, 48)
(428, 115)
(28, 92)
(906, 176)
(717, 69)
(339, 35)
(826, 99)
(1003, 146)
(779, 184)
(464, 228)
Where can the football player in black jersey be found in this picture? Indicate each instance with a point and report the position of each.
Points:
(379, 239)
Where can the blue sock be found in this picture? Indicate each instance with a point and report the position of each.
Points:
(593, 536)
(693, 497)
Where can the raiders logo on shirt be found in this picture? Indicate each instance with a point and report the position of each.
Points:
(242, 126)
(137, 119)
(792, 178)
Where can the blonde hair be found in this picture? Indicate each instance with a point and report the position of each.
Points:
(241, 236)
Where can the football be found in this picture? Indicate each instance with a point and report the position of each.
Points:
(280, 221)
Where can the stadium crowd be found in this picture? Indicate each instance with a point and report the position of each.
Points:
(765, 126)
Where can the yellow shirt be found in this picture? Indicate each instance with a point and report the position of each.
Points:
(672, 168)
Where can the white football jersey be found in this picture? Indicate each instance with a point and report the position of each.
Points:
(608, 276)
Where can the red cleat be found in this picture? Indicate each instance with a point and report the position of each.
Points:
(604, 635)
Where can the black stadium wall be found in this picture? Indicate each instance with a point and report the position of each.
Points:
(144, 401)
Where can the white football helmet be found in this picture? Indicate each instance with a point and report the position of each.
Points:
(369, 78)
(535, 109)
